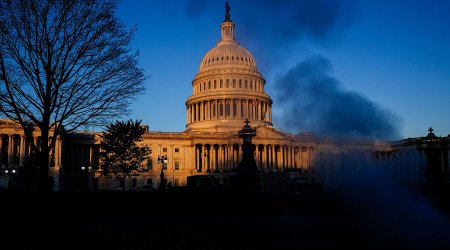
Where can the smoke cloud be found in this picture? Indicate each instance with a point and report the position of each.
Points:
(314, 101)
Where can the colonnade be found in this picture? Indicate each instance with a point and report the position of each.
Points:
(14, 150)
(269, 158)
(229, 109)
(255, 85)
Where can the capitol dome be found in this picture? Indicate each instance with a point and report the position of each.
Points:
(227, 54)
(228, 88)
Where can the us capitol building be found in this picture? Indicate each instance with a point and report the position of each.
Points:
(227, 90)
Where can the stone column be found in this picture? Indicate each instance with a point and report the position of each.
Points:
(277, 158)
(213, 158)
(22, 150)
(219, 158)
(238, 107)
(191, 159)
(10, 148)
(58, 154)
(269, 111)
(197, 165)
(263, 163)
(170, 159)
(202, 112)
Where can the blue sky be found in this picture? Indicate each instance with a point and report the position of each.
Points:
(394, 53)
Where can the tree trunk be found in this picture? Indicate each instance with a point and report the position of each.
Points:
(124, 182)
(43, 159)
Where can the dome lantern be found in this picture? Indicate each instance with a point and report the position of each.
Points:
(227, 26)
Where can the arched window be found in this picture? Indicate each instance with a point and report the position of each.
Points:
(245, 84)
(228, 83)
(234, 83)
(215, 84)
(221, 83)
(240, 83)
(227, 109)
(251, 84)
(209, 85)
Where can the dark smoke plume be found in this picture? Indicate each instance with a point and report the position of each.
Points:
(314, 101)
(284, 19)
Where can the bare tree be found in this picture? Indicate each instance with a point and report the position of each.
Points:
(64, 64)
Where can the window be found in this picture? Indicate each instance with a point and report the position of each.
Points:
(251, 84)
(209, 85)
(240, 84)
(149, 163)
(165, 150)
(234, 83)
(228, 83)
(177, 150)
(234, 108)
(221, 109)
(245, 84)
(221, 83)
(215, 84)
(227, 109)
(177, 165)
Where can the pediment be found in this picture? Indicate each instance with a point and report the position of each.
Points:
(263, 132)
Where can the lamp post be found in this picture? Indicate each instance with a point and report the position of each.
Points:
(162, 160)
(11, 172)
(86, 171)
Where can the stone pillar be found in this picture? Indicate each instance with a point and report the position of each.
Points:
(277, 158)
(269, 113)
(191, 159)
(197, 165)
(213, 157)
(238, 107)
(58, 154)
(10, 148)
(202, 112)
(170, 159)
(263, 161)
(22, 150)
(219, 158)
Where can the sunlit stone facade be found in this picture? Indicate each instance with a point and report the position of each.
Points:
(15, 151)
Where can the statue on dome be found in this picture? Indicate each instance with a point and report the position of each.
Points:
(227, 12)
